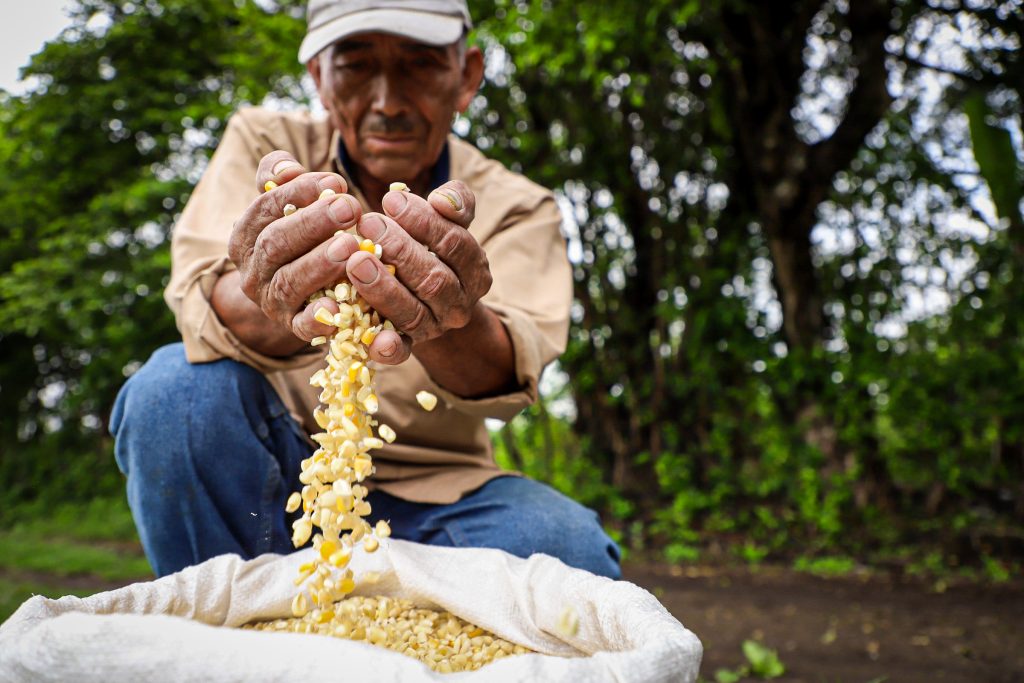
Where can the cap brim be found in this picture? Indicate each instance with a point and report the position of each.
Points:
(423, 27)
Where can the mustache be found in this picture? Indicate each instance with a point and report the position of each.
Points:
(388, 125)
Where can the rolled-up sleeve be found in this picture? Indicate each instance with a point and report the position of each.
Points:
(199, 250)
(531, 294)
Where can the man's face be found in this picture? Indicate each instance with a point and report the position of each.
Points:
(393, 99)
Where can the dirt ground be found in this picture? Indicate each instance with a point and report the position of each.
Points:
(846, 630)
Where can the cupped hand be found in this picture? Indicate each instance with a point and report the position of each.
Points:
(283, 260)
(441, 271)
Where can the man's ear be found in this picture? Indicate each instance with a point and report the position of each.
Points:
(472, 75)
(313, 67)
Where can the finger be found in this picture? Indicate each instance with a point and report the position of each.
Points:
(426, 276)
(268, 208)
(391, 298)
(449, 241)
(390, 348)
(454, 201)
(287, 290)
(304, 324)
(281, 167)
(290, 237)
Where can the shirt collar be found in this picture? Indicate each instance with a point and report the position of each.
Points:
(440, 173)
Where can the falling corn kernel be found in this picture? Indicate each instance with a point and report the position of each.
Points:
(289, 209)
(426, 400)
(568, 622)
(398, 187)
(387, 433)
(269, 185)
(383, 529)
(370, 544)
(294, 501)
(301, 530)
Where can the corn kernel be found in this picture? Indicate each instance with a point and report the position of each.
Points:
(324, 316)
(294, 501)
(289, 209)
(318, 341)
(327, 193)
(568, 622)
(328, 548)
(269, 185)
(398, 187)
(299, 605)
(426, 400)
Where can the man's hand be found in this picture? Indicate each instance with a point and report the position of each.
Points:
(282, 260)
(441, 270)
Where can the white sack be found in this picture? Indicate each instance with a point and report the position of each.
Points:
(171, 630)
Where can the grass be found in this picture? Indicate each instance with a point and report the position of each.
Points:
(67, 550)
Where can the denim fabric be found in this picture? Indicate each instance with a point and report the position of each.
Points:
(211, 455)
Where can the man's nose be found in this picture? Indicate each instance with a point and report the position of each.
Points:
(389, 97)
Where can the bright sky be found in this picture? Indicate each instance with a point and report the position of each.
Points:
(26, 26)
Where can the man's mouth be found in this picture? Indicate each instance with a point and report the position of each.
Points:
(387, 142)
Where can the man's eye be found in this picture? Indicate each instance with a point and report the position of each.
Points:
(351, 67)
(426, 63)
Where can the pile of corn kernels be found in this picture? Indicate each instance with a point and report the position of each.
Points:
(440, 640)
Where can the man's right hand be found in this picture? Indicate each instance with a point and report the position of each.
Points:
(282, 260)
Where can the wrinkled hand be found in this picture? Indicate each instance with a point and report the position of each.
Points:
(282, 260)
(441, 270)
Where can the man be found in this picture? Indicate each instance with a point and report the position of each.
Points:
(210, 433)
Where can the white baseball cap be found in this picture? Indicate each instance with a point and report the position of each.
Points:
(434, 22)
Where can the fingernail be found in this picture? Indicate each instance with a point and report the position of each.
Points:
(284, 165)
(340, 249)
(365, 272)
(394, 202)
(388, 350)
(454, 199)
(372, 227)
(342, 210)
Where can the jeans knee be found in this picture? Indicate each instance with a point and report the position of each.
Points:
(538, 519)
(576, 537)
(169, 402)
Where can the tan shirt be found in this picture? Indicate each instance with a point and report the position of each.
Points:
(439, 455)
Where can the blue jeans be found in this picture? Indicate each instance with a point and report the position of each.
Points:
(211, 454)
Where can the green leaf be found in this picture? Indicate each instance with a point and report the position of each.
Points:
(764, 662)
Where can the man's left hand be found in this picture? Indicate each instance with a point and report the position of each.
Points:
(441, 270)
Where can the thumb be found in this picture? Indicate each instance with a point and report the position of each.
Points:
(278, 167)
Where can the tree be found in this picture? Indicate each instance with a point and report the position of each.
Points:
(742, 177)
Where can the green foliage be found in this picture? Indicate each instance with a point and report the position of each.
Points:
(705, 160)
(699, 410)
(825, 566)
(763, 663)
(99, 159)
